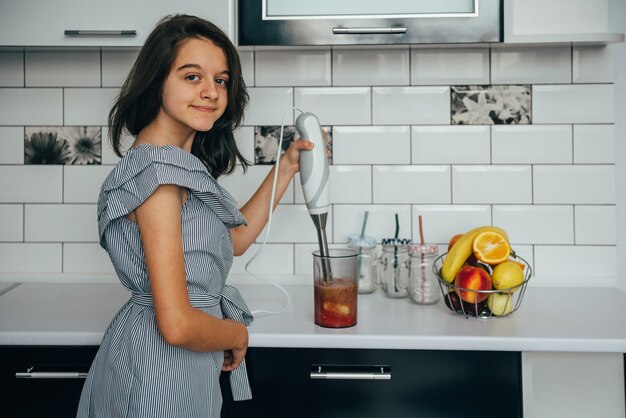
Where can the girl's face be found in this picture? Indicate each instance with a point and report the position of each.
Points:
(195, 92)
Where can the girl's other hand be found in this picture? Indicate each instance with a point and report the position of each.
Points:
(234, 356)
(232, 359)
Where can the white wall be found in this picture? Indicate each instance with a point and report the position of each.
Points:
(550, 184)
(617, 23)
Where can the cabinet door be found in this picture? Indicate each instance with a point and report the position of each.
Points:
(558, 21)
(43, 396)
(43, 23)
(423, 383)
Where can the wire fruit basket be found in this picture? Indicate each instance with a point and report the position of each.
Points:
(503, 301)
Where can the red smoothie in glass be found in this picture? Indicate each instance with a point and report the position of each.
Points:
(335, 302)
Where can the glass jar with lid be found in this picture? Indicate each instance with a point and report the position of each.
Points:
(367, 268)
(423, 286)
(394, 269)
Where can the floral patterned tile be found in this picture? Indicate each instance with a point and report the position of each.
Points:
(63, 145)
(491, 105)
(266, 139)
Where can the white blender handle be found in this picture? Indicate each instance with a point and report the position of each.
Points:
(313, 165)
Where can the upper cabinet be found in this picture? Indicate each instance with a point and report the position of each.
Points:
(98, 22)
(349, 22)
(558, 21)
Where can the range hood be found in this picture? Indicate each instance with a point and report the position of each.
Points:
(354, 22)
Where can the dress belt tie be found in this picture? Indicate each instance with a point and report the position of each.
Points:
(233, 307)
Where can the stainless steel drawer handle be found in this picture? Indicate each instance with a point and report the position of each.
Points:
(369, 31)
(373, 373)
(51, 375)
(100, 33)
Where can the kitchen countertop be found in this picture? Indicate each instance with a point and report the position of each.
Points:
(549, 319)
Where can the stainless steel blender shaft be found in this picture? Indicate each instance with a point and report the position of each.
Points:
(319, 220)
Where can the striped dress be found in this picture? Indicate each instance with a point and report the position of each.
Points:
(135, 372)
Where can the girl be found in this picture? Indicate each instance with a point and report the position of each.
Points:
(171, 231)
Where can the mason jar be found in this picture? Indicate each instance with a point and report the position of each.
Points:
(393, 265)
(423, 285)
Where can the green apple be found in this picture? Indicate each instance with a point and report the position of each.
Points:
(500, 303)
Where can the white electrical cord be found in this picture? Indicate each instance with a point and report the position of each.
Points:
(265, 312)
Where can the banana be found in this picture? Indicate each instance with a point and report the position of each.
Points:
(462, 249)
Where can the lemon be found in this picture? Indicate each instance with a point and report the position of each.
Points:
(506, 275)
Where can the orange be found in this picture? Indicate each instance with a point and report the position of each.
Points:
(491, 247)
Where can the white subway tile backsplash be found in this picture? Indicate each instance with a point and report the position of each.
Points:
(273, 259)
(31, 106)
(550, 183)
(268, 105)
(370, 67)
(442, 222)
(30, 258)
(346, 184)
(86, 258)
(81, 184)
(12, 145)
(12, 68)
(292, 224)
(411, 105)
(305, 67)
(528, 65)
(116, 64)
(536, 224)
(411, 184)
(576, 103)
(88, 106)
(586, 184)
(575, 266)
(242, 186)
(31, 183)
(381, 221)
(592, 64)
(246, 57)
(594, 144)
(595, 225)
(67, 68)
(491, 184)
(450, 145)
(449, 66)
(244, 138)
(336, 105)
(371, 145)
(11, 223)
(532, 144)
(60, 223)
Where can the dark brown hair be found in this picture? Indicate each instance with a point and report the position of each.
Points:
(140, 98)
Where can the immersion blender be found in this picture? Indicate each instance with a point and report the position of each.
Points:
(314, 178)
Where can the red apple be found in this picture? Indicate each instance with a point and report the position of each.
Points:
(472, 278)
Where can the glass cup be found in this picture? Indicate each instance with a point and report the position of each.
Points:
(335, 288)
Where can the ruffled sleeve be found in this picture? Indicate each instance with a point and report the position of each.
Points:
(145, 168)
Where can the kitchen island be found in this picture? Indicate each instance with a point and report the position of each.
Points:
(564, 335)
